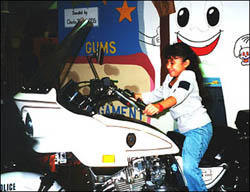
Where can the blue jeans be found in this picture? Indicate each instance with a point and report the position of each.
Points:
(194, 147)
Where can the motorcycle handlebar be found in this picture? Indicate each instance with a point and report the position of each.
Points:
(100, 90)
(127, 98)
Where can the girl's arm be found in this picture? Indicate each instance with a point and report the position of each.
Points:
(153, 109)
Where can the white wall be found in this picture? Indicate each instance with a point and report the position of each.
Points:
(222, 61)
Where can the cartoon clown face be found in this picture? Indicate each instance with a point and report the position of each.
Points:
(244, 56)
(241, 49)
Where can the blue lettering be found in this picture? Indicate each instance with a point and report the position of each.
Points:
(124, 110)
(107, 110)
(116, 111)
(132, 113)
(101, 111)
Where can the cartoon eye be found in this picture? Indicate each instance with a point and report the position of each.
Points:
(213, 16)
(183, 17)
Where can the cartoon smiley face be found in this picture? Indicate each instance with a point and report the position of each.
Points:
(198, 24)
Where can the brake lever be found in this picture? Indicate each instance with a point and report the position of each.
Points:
(126, 98)
(129, 100)
(141, 104)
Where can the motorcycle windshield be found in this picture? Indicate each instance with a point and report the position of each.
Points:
(48, 74)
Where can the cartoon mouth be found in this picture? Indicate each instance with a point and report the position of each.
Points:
(246, 60)
(201, 47)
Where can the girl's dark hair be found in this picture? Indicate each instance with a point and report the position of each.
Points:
(184, 51)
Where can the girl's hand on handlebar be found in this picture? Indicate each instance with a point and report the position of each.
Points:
(152, 109)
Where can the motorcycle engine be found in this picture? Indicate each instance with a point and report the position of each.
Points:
(147, 173)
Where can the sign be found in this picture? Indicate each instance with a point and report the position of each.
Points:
(72, 16)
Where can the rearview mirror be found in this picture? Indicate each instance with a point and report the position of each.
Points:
(100, 55)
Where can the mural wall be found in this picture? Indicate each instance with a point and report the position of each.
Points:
(129, 32)
(218, 31)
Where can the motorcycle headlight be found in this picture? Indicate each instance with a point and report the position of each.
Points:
(29, 126)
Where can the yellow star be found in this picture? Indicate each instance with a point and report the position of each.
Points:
(125, 11)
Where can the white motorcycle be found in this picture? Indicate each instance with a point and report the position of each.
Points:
(84, 150)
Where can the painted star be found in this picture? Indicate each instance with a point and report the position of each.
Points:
(125, 12)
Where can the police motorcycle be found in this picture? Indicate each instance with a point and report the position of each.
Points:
(85, 151)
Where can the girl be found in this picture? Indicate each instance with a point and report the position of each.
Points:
(181, 93)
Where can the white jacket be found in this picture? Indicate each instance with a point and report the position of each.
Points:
(188, 112)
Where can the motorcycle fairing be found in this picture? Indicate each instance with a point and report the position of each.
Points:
(51, 121)
(146, 130)
(35, 100)
(50, 71)
(125, 118)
